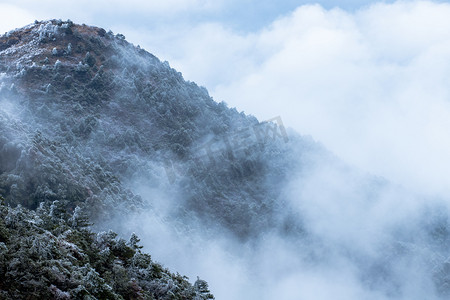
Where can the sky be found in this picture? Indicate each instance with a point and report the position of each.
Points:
(367, 79)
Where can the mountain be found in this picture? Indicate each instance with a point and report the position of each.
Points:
(98, 130)
(86, 115)
(101, 112)
(66, 145)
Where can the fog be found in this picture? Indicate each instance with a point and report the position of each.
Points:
(376, 78)
(364, 239)
(371, 87)
(368, 84)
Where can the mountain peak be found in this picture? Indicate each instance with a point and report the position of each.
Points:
(67, 52)
(49, 41)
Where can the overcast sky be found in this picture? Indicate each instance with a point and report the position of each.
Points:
(369, 80)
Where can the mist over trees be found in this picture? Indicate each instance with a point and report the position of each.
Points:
(48, 253)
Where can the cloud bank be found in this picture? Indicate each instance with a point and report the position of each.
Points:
(372, 85)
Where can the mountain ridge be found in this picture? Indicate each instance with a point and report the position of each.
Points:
(104, 83)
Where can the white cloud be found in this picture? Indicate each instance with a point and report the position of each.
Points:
(372, 85)
(12, 17)
(115, 14)
(120, 7)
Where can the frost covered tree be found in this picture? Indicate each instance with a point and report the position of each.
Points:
(50, 254)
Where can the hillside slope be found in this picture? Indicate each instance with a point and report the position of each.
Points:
(89, 112)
